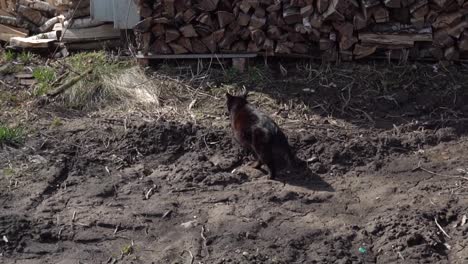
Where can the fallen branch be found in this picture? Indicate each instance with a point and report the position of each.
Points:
(438, 174)
(62, 88)
(441, 229)
(191, 255)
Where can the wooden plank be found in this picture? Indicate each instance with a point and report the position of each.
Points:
(103, 32)
(7, 32)
(31, 43)
(394, 39)
(197, 56)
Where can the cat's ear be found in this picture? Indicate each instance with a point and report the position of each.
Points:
(228, 95)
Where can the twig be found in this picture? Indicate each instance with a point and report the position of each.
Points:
(441, 229)
(59, 79)
(202, 234)
(149, 192)
(438, 174)
(400, 255)
(74, 215)
(191, 255)
(62, 88)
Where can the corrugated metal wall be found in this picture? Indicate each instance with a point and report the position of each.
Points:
(123, 13)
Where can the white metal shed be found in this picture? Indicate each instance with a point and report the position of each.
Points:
(123, 13)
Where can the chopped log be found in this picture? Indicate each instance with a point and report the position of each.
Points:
(361, 51)
(292, 15)
(227, 40)
(198, 46)
(421, 12)
(189, 15)
(160, 47)
(239, 46)
(161, 20)
(186, 43)
(10, 21)
(380, 14)
(334, 11)
(144, 25)
(451, 53)
(188, 31)
(32, 15)
(418, 22)
(346, 42)
(258, 36)
(322, 5)
(146, 42)
(269, 46)
(393, 3)
(417, 5)
(245, 7)
(218, 35)
(178, 49)
(252, 47)
(210, 43)
(208, 5)
(300, 48)
(274, 8)
(158, 30)
(225, 18)
(442, 39)
(457, 30)
(274, 32)
(445, 20)
(316, 21)
(205, 18)
(171, 35)
(325, 44)
(243, 19)
(257, 22)
(283, 48)
(38, 5)
(169, 9)
(145, 11)
(307, 11)
(259, 12)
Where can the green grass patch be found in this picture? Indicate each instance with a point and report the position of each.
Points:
(25, 57)
(44, 76)
(91, 91)
(8, 56)
(10, 135)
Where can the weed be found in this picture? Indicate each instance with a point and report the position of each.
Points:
(56, 122)
(25, 57)
(93, 89)
(127, 250)
(44, 76)
(10, 68)
(9, 56)
(10, 135)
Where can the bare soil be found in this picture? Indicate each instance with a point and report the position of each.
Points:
(387, 176)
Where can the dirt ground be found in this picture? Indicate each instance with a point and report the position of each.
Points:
(386, 182)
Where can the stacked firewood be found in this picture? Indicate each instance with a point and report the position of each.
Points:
(333, 29)
(41, 23)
